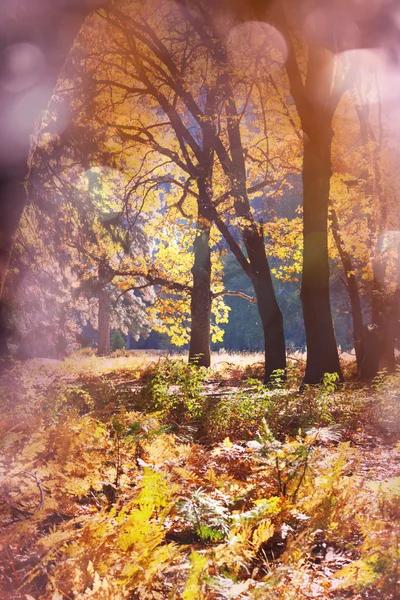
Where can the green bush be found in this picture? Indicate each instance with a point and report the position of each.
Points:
(117, 340)
(176, 389)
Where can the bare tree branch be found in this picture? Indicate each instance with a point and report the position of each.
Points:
(237, 293)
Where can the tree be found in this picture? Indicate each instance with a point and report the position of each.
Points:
(109, 209)
(98, 231)
(45, 25)
(36, 38)
(316, 98)
(317, 86)
(194, 111)
(200, 292)
(365, 218)
(46, 315)
(256, 264)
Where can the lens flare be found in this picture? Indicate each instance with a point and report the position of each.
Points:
(24, 113)
(253, 39)
(17, 122)
(378, 74)
(362, 10)
(332, 28)
(22, 66)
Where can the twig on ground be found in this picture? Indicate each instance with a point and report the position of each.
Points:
(300, 360)
(39, 485)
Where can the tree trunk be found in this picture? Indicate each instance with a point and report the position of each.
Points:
(104, 323)
(12, 201)
(3, 332)
(380, 335)
(61, 339)
(322, 355)
(234, 165)
(388, 359)
(358, 325)
(269, 311)
(383, 332)
(274, 335)
(200, 305)
(316, 100)
(354, 296)
(253, 239)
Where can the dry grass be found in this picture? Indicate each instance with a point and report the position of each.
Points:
(243, 359)
(39, 373)
(134, 360)
(234, 365)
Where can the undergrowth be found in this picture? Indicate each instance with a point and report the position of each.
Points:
(165, 482)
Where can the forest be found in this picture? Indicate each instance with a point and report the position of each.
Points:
(199, 300)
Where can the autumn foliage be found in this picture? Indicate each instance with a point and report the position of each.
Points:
(194, 156)
(151, 480)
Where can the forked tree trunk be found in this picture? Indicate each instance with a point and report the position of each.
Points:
(253, 238)
(104, 323)
(233, 162)
(322, 354)
(316, 100)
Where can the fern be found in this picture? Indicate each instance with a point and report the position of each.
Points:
(194, 585)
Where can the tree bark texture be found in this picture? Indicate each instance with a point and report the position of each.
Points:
(268, 309)
(253, 239)
(322, 354)
(200, 305)
(316, 102)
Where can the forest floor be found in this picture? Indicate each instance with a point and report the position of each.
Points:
(140, 477)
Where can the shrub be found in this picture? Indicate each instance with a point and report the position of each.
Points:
(117, 340)
(177, 391)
